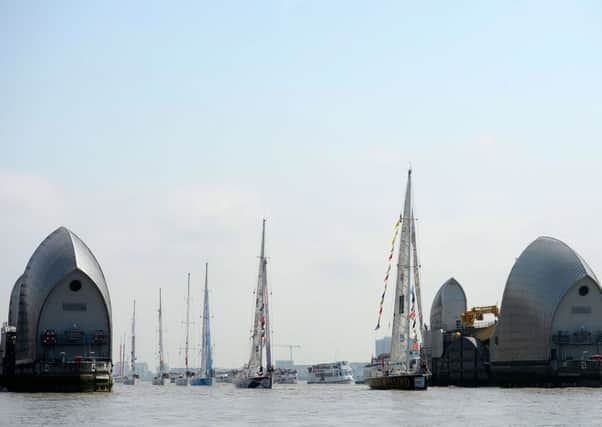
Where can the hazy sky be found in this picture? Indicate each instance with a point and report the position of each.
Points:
(162, 133)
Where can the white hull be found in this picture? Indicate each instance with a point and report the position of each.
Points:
(330, 373)
(345, 380)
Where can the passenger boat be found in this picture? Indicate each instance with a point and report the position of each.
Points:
(330, 373)
(161, 375)
(254, 374)
(206, 373)
(133, 377)
(285, 376)
(406, 367)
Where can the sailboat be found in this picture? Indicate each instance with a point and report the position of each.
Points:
(255, 374)
(406, 367)
(160, 378)
(131, 380)
(206, 373)
(183, 379)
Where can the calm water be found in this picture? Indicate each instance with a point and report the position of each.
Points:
(304, 405)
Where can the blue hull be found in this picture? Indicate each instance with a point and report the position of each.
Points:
(201, 381)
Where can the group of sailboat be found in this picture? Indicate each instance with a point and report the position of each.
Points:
(403, 368)
(205, 374)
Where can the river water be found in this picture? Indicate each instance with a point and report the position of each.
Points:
(303, 405)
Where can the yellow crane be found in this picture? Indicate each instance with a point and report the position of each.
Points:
(476, 313)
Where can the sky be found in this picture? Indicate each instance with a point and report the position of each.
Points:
(162, 133)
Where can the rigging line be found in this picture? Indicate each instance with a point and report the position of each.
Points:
(387, 274)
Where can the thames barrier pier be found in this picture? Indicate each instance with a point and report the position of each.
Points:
(548, 332)
(58, 334)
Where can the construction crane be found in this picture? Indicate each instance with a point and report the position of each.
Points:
(290, 349)
(476, 313)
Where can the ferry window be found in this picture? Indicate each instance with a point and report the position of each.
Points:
(583, 291)
(75, 286)
(401, 304)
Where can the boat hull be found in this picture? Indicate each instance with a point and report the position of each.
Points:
(323, 381)
(254, 382)
(202, 381)
(182, 381)
(398, 382)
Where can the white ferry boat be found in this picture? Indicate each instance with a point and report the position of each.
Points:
(285, 376)
(330, 373)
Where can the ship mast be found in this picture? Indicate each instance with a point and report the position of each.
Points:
(267, 332)
(416, 267)
(400, 333)
(133, 354)
(123, 356)
(206, 357)
(161, 361)
(255, 361)
(120, 359)
(187, 326)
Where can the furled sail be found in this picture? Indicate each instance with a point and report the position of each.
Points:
(400, 333)
(260, 323)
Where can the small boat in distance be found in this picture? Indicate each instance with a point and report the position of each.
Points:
(285, 376)
(330, 373)
(206, 373)
(254, 374)
(161, 375)
(183, 379)
(406, 367)
(131, 379)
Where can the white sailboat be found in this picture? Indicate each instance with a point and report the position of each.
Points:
(206, 373)
(405, 368)
(160, 378)
(255, 374)
(131, 379)
(183, 379)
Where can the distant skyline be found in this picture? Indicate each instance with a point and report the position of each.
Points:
(162, 134)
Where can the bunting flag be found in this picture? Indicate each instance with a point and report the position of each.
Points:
(382, 298)
(412, 314)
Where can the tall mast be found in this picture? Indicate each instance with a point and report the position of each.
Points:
(400, 335)
(161, 361)
(187, 325)
(267, 331)
(416, 267)
(120, 359)
(206, 357)
(123, 355)
(133, 355)
(255, 361)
